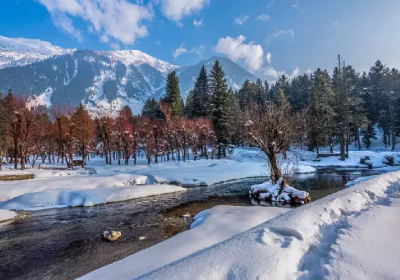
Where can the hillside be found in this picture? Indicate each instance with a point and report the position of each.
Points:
(102, 80)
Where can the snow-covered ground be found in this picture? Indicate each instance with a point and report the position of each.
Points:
(210, 227)
(6, 215)
(377, 159)
(72, 197)
(348, 235)
(84, 187)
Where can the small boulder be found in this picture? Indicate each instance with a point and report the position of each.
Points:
(111, 235)
(142, 238)
(187, 216)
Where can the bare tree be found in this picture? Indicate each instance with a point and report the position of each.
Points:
(273, 130)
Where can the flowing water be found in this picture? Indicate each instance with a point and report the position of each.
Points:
(66, 243)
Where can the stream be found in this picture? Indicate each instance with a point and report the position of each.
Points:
(66, 243)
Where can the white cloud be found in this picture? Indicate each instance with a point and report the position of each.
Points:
(235, 49)
(269, 57)
(242, 19)
(198, 23)
(273, 73)
(270, 4)
(199, 50)
(115, 46)
(279, 33)
(121, 20)
(65, 24)
(179, 51)
(263, 17)
(276, 74)
(177, 9)
(295, 73)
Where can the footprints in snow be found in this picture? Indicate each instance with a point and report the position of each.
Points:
(279, 236)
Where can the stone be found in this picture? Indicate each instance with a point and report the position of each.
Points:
(187, 216)
(111, 235)
(142, 238)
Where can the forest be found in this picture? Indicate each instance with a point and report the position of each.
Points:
(312, 110)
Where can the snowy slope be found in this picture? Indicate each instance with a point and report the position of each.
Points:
(137, 58)
(21, 51)
(210, 227)
(351, 234)
(105, 81)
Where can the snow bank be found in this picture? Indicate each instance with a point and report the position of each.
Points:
(208, 172)
(6, 215)
(56, 198)
(270, 192)
(10, 190)
(291, 245)
(210, 227)
(376, 158)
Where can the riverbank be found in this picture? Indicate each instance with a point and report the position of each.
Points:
(71, 237)
(55, 186)
(335, 237)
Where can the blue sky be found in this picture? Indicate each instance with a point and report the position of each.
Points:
(267, 37)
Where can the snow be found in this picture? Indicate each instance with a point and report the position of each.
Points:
(137, 58)
(43, 99)
(21, 51)
(376, 158)
(348, 235)
(6, 215)
(73, 197)
(210, 227)
(268, 189)
(9, 190)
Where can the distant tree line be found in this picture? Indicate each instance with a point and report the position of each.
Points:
(317, 110)
(344, 108)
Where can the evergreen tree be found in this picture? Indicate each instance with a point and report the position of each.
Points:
(299, 92)
(220, 105)
(282, 83)
(368, 100)
(201, 95)
(152, 110)
(377, 76)
(189, 106)
(173, 94)
(321, 111)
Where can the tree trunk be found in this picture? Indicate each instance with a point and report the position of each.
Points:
(276, 173)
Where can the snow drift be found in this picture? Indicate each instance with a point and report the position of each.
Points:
(309, 242)
(56, 198)
(211, 227)
(279, 192)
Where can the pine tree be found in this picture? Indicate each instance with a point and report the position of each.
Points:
(173, 94)
(189, 106)
(282, 83)
(321, 111)
(201, 95)
(220, 105)
(368, 100)
(377, 76)
(261, 94)
(299, 92)
(152, 109)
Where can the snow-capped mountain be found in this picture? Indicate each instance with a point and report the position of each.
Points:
(21, 51)
(102, 80)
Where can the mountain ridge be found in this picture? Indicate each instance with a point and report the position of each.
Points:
(102, 80)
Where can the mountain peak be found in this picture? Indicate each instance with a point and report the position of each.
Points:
(22, 51)
(137, 58)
